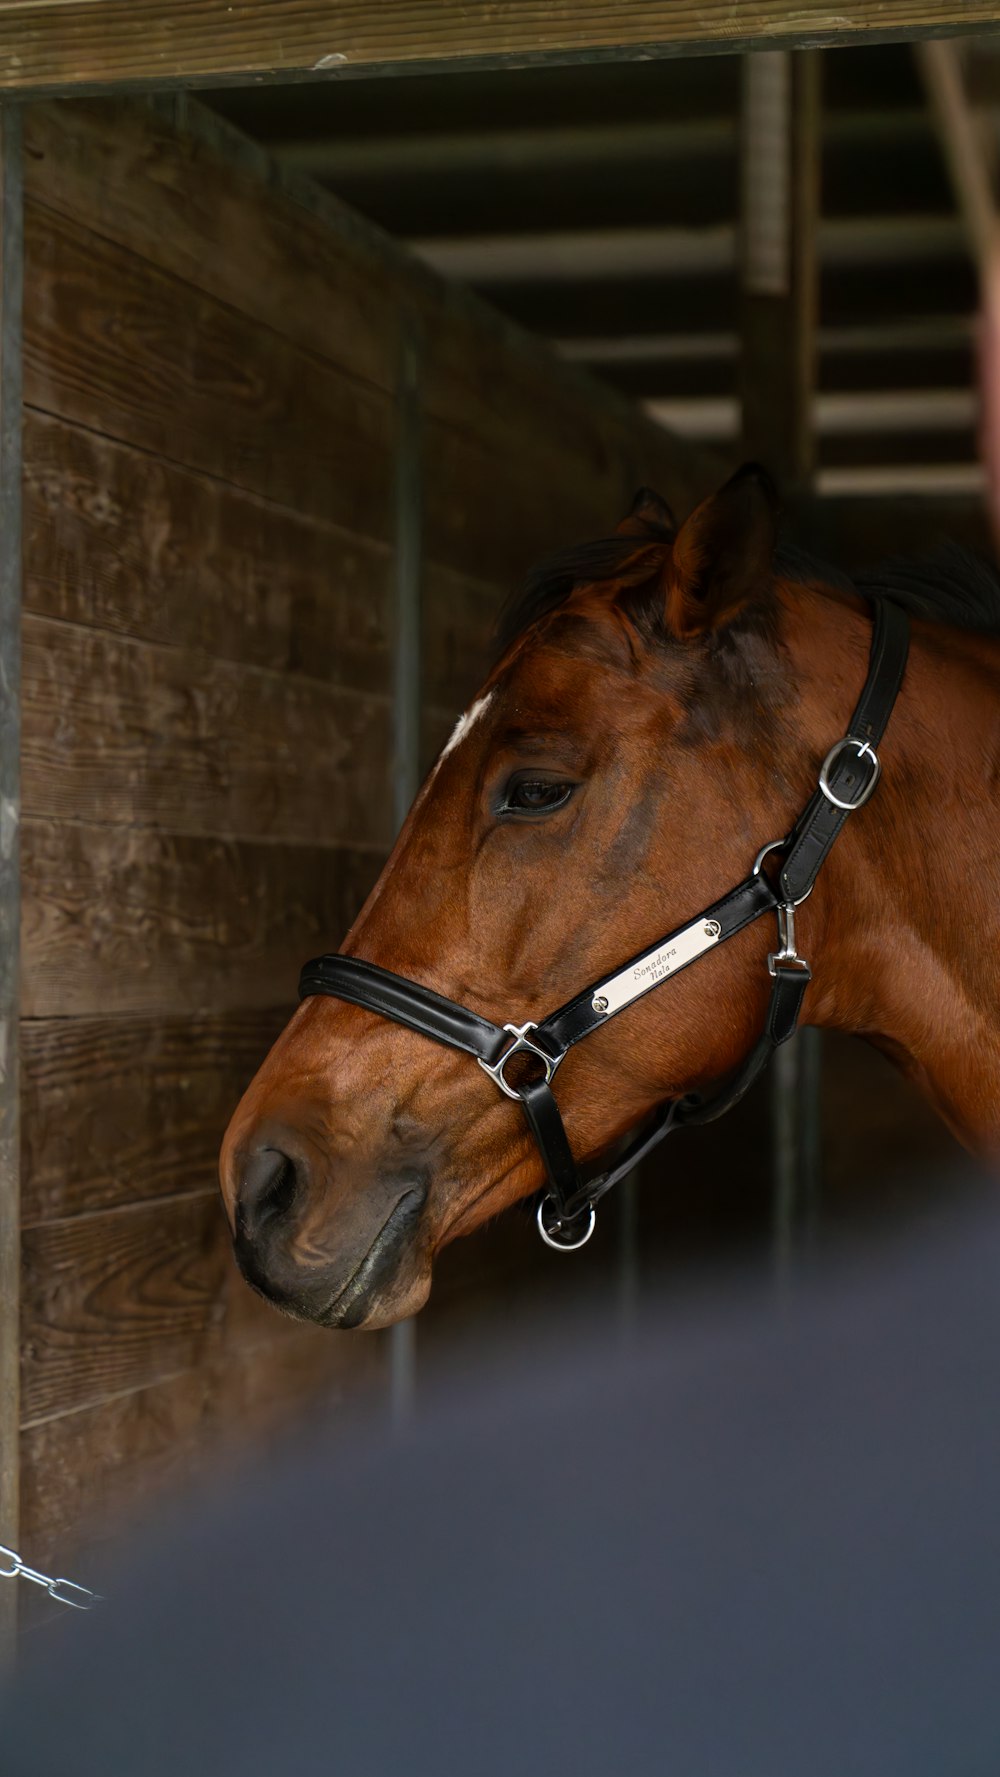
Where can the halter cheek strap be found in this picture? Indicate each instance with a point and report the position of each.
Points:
(566, 1214)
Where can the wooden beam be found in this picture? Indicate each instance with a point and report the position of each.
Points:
(963, 147)
(535, 178)
(11, 260)
(913, 414)
(897, 480)
(574, 256)
(707, 375)
(779, 262)
(53, 46)
(495, 153)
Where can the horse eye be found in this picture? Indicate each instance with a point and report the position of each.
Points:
(528, 795)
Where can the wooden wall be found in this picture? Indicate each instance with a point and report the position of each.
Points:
(210, 359)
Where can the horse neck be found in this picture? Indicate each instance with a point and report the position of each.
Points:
(903, 929)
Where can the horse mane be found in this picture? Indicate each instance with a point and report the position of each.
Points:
(550, 582)
(952, 585)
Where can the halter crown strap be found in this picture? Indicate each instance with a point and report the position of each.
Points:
(851, 769)
(847, 778)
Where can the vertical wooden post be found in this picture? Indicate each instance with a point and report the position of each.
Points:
(780, 173)
(406, 700)
(11, 262)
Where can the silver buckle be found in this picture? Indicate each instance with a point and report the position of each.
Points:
(520, 1046)
(833, 755)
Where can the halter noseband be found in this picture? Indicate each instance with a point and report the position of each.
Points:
(566, 1213)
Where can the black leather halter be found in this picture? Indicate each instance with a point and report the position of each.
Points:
(566, 1213)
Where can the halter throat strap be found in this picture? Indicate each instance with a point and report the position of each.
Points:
(847, 778)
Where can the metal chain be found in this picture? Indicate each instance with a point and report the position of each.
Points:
(63, 1591)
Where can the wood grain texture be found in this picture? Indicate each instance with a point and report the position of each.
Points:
(115, 1300)
(167, 195)
(122, 1110)
(322, 277)
(460, 615)
(133, 353)
(90, 1474)
(154, 736)
(491, 517)
(11, 578)
(130, 543)
(93, 43)
(500, 390)
(120, 921)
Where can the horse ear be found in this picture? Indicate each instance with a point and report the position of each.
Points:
(722, 554)
(648, 516)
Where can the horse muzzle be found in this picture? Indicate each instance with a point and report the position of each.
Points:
(348, 1263)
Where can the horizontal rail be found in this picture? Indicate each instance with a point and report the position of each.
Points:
(62, 46)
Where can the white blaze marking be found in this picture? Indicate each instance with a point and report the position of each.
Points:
(464, 723)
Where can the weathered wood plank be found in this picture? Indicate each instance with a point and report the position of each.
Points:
(117, 1300)
(460, 616)
(93, 1472)
(112, 1301)
(490, 517)
(62, 44)
(116, 346)
(118, 1110)
(95, 164)
(126, 542)
(168, 195)
(131, 352)
(11, 308)
(315, 272)
(490, 387)
(152, 736)
(122, 921)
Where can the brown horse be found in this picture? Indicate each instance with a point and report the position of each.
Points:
(660, 712)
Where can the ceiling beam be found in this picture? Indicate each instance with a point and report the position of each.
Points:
(566, 147)
(581, 254)
(855, 414)
(109, 45)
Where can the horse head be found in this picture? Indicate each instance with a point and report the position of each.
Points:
(651, 723)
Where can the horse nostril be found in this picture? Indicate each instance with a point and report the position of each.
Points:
(270, 1186)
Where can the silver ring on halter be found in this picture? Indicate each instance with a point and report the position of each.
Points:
(564, 1246)
(765, 850)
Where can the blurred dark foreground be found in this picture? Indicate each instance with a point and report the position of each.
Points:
(759, 1539)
